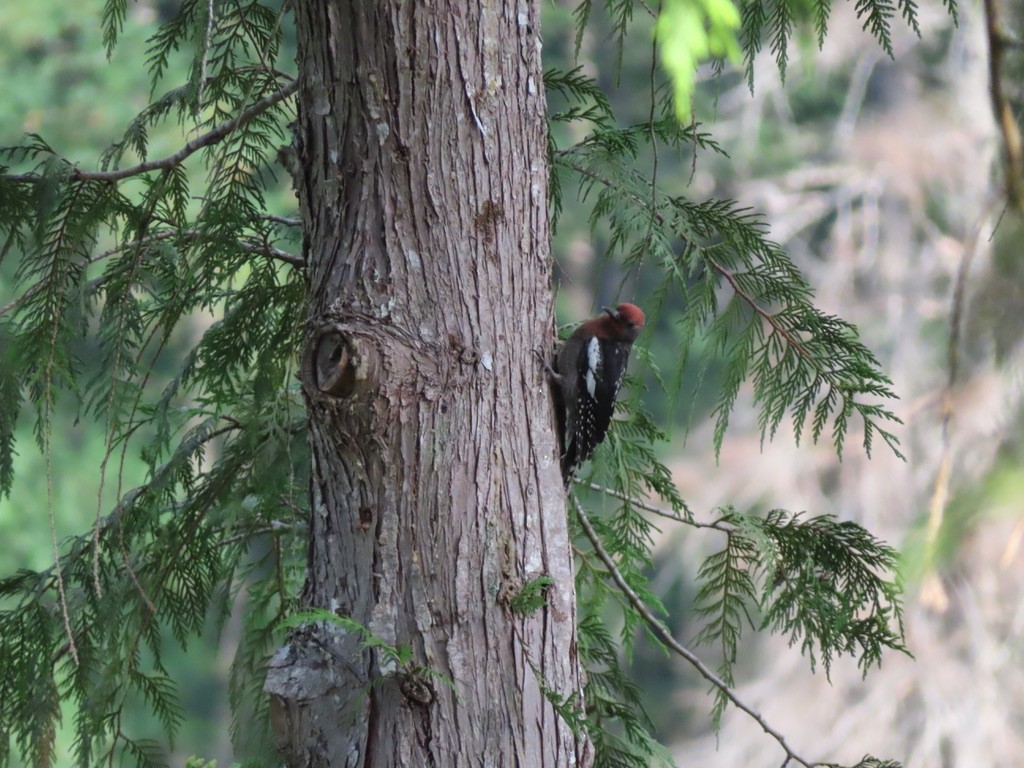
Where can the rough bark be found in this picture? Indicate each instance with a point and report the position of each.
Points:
(435, 489)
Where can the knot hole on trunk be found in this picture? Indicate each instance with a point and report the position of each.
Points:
(339, 363)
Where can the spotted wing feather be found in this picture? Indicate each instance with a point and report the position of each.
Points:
(601, 365)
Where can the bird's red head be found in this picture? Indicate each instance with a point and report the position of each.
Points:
(630, 314)
(628, 319)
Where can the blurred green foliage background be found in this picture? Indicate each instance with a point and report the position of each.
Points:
(874, 173)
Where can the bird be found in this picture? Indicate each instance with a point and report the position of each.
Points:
(588, 373)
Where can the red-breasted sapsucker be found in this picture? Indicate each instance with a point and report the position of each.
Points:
(588, 373)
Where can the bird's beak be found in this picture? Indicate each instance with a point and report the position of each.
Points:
(613, 314)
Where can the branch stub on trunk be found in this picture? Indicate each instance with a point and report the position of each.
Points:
(339, 363)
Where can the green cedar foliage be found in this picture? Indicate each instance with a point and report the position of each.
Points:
(111, 275)
(114, 266)
(819, 581)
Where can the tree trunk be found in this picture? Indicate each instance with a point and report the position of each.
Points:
(435, 489)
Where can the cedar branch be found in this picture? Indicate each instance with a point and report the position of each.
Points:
(728, 275)
(262, 249)
(718, 525)
(190, 148)
(662, 633)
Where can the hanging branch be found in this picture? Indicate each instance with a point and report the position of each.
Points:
(662, 633)
(804, 361)
(728, 275)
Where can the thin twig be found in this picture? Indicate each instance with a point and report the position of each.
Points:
(193, 146)
(283, 220)
(17, 300)
(718, 525)
(730, 277)
(654, 149)
(659, 629)
(203, 74)
(264, 249)
(273, 253)
(109, 430)
(275, 527)
(130, 426)
(650, 11)
(47, 429)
